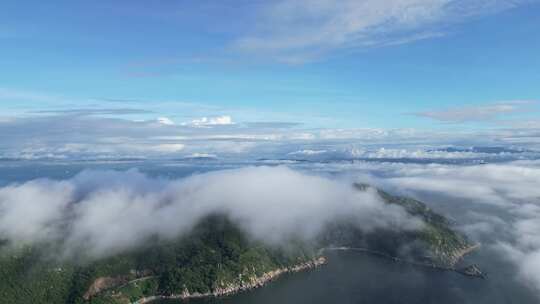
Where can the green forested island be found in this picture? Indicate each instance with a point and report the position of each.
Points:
(215, 258)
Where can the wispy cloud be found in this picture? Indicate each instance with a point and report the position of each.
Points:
(301, 30)
(478, 113)
(90, 112)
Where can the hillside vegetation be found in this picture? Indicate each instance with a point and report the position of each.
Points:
(214, 256)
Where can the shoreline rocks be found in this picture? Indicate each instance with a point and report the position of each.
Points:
(252, 283)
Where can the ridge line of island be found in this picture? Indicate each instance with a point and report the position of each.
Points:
(218, 258)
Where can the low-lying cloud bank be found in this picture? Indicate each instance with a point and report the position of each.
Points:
(89, 134)
(506, 185)
(511, 190)
(416, 154)
(105, 212)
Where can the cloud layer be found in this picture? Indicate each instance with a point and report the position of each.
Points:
(478, 113)
(75, 135)
(509, 191)
(302, 30)
(105, 212)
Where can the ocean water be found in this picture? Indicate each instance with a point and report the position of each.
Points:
(348, 277)
(359, 278)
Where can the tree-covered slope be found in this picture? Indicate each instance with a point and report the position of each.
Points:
(214, 257)
(435, 242)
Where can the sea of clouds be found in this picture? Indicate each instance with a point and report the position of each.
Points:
(498, 204)
(106, 212)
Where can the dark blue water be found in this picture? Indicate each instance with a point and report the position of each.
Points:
(360, 278)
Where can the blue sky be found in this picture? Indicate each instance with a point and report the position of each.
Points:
(437, 65)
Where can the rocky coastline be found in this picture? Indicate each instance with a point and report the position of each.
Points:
(453, 259)
(243, 285)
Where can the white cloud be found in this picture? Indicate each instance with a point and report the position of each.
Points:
(109, 211)
(389, 153)
(167, 148)
(81, 136)
(477, 113)
(210, 121)
(300, 30)
(308, 152)
(202, 155)
(509, 190)
(165, 121)
(38, 204)
(498, 184)
(524, 251)
(413, 154)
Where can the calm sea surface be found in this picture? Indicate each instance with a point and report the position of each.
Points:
(360, 278)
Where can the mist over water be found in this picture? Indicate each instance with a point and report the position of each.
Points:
(356, 277)
(99, 213)
(158, 148)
